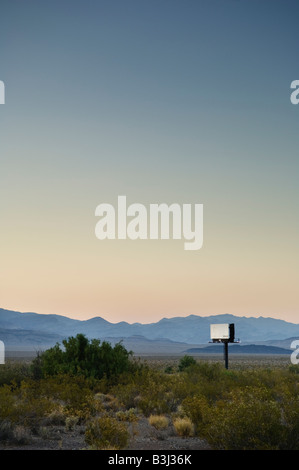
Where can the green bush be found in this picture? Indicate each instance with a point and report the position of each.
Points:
(83, 357)
(186, 362)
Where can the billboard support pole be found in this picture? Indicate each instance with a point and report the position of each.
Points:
(225, 343)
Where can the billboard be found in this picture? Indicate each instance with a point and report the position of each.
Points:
(221, 332)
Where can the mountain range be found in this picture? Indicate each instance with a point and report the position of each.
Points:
(27, 330)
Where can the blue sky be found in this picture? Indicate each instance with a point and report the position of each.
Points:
(164, 101)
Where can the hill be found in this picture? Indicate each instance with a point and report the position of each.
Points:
(239, 349)
(32, 330)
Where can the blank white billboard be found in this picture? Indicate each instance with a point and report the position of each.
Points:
(220, 331)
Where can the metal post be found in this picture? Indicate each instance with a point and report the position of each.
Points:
(226, 354)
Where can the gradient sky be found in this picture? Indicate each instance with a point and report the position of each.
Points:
(162, 101)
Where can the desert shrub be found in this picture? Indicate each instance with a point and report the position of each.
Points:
(127, 394)
(208, 380)
(52, 400)
(247, 420)
(148, 390)
(47, 401)
(30, 408)
(7, 402)
(180, 386)
(158, 401)
(83, 357)
(14, 372)
(108, 402)
(186, 362)
(213, 372)
(158, 421)
(75, 394)
(183, 426)
(17, 406)
(106, 432)
(127, 415)
(204, 371)
(197, 409)
(56, 417)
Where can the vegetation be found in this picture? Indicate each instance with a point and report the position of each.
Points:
(82, 357)
(186, 362)
(158, 421)
(106, 433)
(184, 426)
(106, 392)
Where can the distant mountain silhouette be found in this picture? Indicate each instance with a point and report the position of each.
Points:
(239, 349)
(17, 328)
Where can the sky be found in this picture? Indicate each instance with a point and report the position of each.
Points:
(164, 101)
